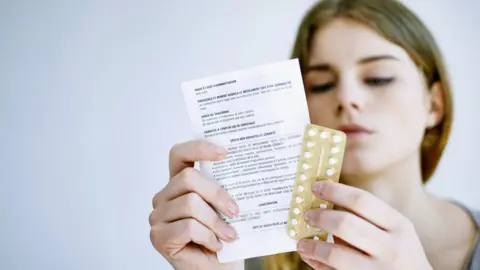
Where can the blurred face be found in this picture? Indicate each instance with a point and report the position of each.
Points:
(369, 88)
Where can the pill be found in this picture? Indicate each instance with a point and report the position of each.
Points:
(320, 160)
(332, 161)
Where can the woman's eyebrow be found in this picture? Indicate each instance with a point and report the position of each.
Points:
(374, 58)
(319, 67)
(365, 60)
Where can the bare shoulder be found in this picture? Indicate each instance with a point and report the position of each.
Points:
(450, 242)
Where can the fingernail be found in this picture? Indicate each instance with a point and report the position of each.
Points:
(230, 232)
(220, 150)
(317, 187)
(302, 246)
(307, 215)
(232, 208)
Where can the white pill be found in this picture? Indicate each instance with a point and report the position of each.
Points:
(299, 200)
(332, 161)
(337, 139)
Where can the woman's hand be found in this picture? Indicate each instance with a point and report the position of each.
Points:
(185, 228)
(376, 235)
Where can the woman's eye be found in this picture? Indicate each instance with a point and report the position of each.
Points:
(378, 81)
(321, 88)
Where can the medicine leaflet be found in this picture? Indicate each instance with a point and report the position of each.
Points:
(258, 115)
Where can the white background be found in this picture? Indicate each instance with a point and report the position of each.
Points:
(90, 104)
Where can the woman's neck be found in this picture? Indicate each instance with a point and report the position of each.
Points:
(399, 185)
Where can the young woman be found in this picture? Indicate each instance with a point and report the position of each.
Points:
(372, 69)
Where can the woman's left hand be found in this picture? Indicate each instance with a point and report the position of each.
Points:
(377, 236)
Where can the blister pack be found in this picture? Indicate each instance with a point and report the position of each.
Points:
(320, 159)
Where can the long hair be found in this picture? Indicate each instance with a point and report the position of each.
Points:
(396, 23)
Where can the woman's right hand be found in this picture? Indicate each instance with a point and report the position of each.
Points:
(185, 228)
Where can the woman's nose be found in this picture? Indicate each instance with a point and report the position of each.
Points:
(351, 98)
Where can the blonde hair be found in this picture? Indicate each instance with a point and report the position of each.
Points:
(395, 22)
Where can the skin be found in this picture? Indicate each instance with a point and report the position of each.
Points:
(184, 227)
(385, 219)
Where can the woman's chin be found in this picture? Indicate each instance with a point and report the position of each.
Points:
(357, 166)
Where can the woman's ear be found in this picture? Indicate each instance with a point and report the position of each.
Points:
(437, 105)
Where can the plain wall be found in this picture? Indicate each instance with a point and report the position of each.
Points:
(90, 104)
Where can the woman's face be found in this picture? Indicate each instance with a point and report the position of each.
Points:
(370, 88)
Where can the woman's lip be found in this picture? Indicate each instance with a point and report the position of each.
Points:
(354, 129)
(356, 134)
